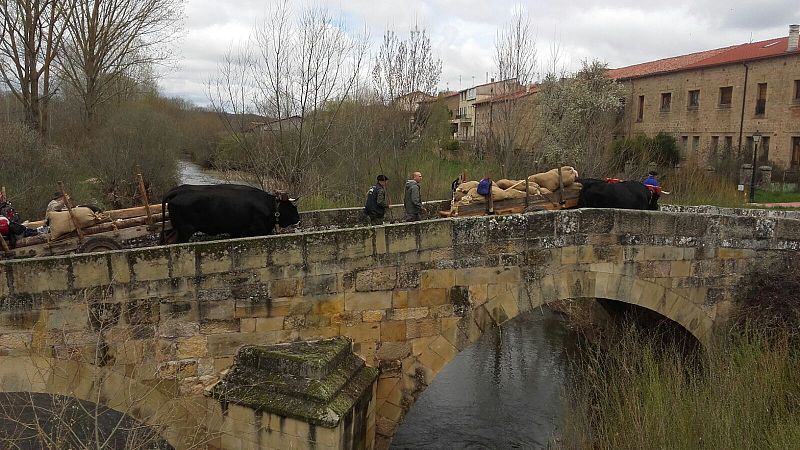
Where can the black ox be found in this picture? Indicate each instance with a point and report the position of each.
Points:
(233, 209)
(623, 195)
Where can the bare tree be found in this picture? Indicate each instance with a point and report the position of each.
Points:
(30, 35)
(111, 42)
(303, 68)
(515, 50)
(405, 67)
(510, 127)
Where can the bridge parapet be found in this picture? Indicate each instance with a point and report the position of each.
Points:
(409, 295)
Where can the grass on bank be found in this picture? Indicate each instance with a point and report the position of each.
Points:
(640, 395)
(777, 197)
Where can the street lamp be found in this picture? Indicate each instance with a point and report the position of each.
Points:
(756, 140)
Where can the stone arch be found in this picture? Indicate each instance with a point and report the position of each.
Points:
(431, 357)
(168, 415)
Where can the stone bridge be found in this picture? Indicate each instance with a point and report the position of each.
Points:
(146, 332)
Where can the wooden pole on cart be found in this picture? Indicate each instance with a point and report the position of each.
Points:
(3, 244)
(143, 193)
(561, 201)
(68, 204)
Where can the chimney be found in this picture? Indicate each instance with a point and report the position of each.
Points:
(794, 36)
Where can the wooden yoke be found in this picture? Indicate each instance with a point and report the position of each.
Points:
(68, 204)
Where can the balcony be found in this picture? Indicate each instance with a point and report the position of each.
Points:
(464, 117)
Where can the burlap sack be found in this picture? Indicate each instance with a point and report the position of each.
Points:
(513, 193)
(458, 195)
(61, 223)
(497, 195)
(549, 179)
(466, 186)
(504, 184)
(473, 194)
(521, 186)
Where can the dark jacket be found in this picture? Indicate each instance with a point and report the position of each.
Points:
(376, 202)
(413, 199)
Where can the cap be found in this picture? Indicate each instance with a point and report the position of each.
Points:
(382, 178)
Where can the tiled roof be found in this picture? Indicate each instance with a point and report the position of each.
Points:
(441, 95)
(717, 57)
(532, 89)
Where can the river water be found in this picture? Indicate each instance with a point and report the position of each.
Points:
(505, 391)
(191, 173)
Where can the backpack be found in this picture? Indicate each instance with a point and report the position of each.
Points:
(485, 186)
(371, 205)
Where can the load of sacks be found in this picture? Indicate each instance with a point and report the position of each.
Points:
(543, 184)
(61, 223)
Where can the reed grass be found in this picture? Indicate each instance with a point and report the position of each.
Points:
(642, 394)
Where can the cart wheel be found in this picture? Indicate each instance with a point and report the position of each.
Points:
(99, 244)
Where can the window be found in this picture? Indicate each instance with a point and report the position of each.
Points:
(694, 99)
(695, 144)
(763, 150)
(728, 144)
(761, 100)
(640, 115)
(725, 96)
(684, 145)
(666, 101)
(796, 151)
(714, 145)
(797, 91)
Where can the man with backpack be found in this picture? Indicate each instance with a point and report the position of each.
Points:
(375, 207)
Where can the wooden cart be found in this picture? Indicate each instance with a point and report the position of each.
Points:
(113, 230)
(554, 201)
(123, 228)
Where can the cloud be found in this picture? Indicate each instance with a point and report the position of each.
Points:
(620, 32)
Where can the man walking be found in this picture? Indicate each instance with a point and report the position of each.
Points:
(413, 199)
(375, 207)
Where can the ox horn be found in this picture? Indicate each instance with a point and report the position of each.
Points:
(294, 199)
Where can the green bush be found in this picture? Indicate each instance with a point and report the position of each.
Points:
(450, 145)
(661, 149)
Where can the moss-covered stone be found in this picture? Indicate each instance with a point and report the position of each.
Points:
(317, 382)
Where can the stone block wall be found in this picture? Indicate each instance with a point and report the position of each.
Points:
(410, 296)
(780, 122)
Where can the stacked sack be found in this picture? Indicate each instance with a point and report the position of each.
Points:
(539, 184)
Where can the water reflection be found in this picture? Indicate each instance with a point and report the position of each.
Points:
(503, 392)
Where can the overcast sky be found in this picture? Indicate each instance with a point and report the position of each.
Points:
(618, 32)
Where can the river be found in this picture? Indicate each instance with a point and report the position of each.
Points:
(191, 173)
(505, 391)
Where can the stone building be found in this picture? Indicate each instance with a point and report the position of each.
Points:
(464, 120)
(506, 119)
(714, 101)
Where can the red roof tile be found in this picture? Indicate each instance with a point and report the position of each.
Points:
(532, 89)
(734, 54)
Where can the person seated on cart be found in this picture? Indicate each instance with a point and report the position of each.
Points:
(10, 227)
(58, 203)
